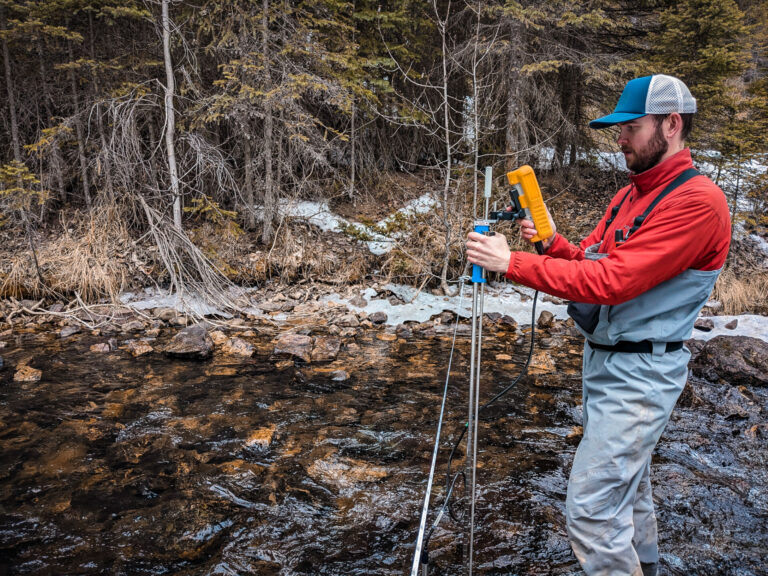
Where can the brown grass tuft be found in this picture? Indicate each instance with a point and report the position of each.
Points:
(742, 293)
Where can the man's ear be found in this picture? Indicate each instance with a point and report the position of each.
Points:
(673, 126)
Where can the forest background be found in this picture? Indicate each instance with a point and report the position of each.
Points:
(159, 142)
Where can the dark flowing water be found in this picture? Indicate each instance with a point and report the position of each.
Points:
(120, 465)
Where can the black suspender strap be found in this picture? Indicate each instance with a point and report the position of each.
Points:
(615, 211)
(681, 179)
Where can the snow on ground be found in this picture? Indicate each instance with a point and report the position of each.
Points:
(319, 214)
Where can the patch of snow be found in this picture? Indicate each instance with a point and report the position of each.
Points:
(154, 298)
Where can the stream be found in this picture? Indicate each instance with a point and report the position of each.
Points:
(118, 465)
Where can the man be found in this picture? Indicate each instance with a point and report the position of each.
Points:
(641, 282)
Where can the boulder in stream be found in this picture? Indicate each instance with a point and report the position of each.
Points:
(191, 343)
(298, 345)
(739, 360)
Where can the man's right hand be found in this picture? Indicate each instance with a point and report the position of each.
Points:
(528, 231)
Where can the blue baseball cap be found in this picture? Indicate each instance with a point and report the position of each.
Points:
(658, 94)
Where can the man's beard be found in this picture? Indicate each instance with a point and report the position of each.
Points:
(649, 156)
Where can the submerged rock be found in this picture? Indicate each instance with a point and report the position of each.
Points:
(325, 349)
(735, 359)
(139, 348)
(298, 345)
(191, 343)
(237, 347)
(26, 373)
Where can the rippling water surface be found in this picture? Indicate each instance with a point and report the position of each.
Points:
(120, 465)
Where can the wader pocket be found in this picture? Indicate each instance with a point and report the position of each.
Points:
(585, 315)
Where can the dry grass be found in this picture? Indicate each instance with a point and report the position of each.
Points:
(742, 293)
(91, 261)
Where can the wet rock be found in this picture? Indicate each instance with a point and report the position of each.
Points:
(546, 319)
(165, 314)
(344, 473)
(261, 438)
(237, 347)
(339, 375)
(732, 324)
(101, 347)
(191, 343)
(695, 347)
(348, 321)
(736, 404)
(138, 348)
(492, 317)
(386, 336)
(218, 337)
(549, 343)
(378, 317)
(69, 331)
(403, 331)
(132, 326)
(26, 373)
(704, 324)
(735, 359)
(541, 363)
(347, 332)
(325, 349)
(508, 321)
(298, 345)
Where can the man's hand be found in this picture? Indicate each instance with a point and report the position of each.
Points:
(528, 231)
(490, 252)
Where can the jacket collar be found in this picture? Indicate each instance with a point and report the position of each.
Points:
(663, 173)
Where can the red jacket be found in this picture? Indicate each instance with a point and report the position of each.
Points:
(689, 228)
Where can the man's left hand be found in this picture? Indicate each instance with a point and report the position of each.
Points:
(490, 252)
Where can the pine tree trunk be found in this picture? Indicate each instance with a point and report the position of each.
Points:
(79, 129)
(170, 116)
(270, 200)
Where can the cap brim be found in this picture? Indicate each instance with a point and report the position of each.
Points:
(613, 119)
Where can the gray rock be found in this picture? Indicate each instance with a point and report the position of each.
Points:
(378, 317)
(736, 359)
(546, 319)
(732, 324)
(191, 343)
(339, 375)
(359, 302)
(349, 321)
(403, 331)
(69, 331)
(704, 324)
(133, 326)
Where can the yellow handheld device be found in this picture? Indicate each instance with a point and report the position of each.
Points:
(527, 194)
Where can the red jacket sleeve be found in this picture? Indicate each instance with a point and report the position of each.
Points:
(679, 234)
